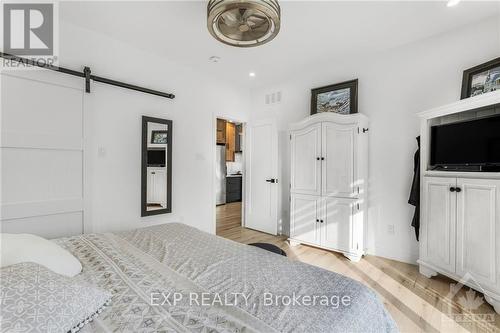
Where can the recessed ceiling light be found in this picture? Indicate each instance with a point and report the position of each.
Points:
(452, 3)
(214, 59)
(251, 74)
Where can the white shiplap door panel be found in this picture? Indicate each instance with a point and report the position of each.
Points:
(42, 165)
(338, 167)
(338, 223)
(40, 174)
(305, 218)
(438, 214)
(49, 226)
(306, 160)
(40, 114)
(477, 220)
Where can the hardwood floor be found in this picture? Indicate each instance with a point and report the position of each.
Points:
(416, 303)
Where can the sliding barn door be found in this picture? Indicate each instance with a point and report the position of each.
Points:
(42, 163)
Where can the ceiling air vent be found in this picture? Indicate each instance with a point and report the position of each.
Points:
(243, 23)
(273, 98)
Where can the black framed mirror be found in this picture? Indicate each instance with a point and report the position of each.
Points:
(156, 166)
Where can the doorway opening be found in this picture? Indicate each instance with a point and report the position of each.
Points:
(229, 175)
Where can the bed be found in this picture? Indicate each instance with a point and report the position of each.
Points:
(175, 278)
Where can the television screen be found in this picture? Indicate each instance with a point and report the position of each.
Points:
(156, 157)
(473, 142)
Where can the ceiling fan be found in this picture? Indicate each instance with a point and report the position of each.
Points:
(243, 23)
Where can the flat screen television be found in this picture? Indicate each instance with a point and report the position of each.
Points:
(156, 157)
(469, 143)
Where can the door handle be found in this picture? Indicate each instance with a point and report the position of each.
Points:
(452, 189)
(458, 189)
(272, 180)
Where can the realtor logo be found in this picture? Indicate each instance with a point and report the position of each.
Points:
(28, 29)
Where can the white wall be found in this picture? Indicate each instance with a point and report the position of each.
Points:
(393, 87)
(113, 130)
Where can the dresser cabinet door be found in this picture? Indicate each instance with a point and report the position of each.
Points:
(477, 224)
(157, 187)
(150, 186)
(338, 167)
(306, 160)
(305, 225)
(438, 214)
(337, 223)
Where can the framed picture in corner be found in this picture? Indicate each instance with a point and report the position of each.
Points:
(159, 137)
(338, 98)
(481, 79)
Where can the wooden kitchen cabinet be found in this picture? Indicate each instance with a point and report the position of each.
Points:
(221, 131)
(239, 131)
(230, 141)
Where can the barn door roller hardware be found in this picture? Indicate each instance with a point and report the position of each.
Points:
(87, 75)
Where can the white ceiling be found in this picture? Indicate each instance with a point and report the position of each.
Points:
(311, 31)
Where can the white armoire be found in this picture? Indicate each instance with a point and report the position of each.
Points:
(460, 211)
(328, 182)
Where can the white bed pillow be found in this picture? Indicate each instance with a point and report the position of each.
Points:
(18, 248)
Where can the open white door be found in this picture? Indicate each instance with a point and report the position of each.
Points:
(262, 181)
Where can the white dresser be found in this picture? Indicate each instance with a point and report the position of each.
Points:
(328, 182)
(157, 186)
(460, 211)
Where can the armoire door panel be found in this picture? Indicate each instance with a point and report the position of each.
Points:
(438, 213)
(337, 223)
(305, 225)
(306, 160)
(338, 167)
(477, 218)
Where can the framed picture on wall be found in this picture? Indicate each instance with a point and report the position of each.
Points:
(338, 98)
(481, 79)
(159, 137)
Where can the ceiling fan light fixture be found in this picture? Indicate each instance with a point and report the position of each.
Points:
(243, 23)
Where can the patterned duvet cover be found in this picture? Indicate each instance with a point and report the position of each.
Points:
(175, 278)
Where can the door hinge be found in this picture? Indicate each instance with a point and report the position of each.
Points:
(357, 205)
(290, 137)
(358, 189)
(357, 246)
(358, 130)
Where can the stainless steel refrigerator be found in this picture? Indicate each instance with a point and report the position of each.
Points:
(220, 175)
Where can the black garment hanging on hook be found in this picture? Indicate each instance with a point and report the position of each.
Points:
(414, 199)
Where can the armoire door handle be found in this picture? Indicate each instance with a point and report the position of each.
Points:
(458, 189)
(452, 189)
(272, 180)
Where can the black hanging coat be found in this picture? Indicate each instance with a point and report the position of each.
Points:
(414, 199)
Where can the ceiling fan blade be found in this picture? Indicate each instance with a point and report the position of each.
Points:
(256, 21)
(231, 19)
